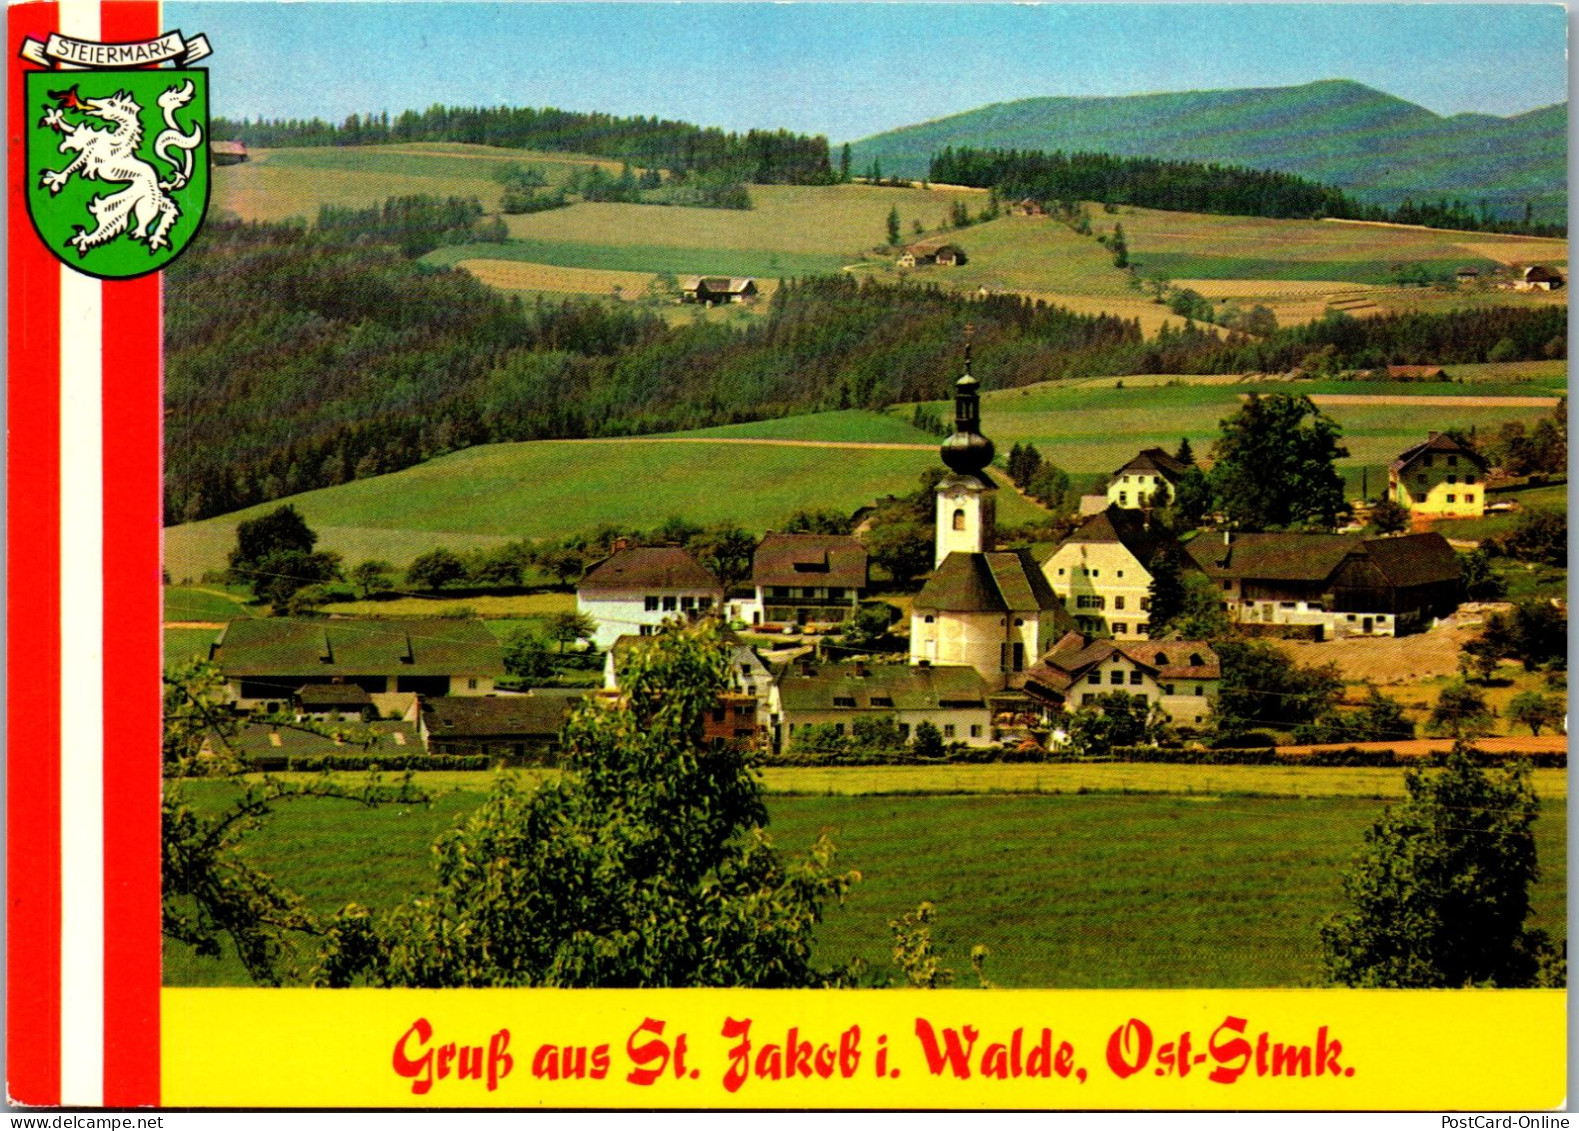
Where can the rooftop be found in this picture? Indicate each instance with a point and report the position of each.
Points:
(810, 559)
(881, 687)
(324, 647)
(648, 567)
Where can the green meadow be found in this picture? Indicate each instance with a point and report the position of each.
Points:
(1100, 890)
(643, 257)
(495, 493)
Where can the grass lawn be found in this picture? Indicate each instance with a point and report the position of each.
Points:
(208, 603)
(534, 605)
(1101, 890)
(645, 258)
(495, 493)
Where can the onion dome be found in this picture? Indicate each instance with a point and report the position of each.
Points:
(967, 451)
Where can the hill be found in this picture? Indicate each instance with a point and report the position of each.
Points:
(1376, 146)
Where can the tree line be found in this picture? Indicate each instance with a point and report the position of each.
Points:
(355, 360)
(758, 156)
(1191, 186)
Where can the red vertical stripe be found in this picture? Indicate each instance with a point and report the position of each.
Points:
(33, 634)
(132, 602)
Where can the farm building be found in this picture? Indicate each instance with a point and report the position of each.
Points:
(228, 152)
(271, 746)
(1439, 477)
(1416, 373)
(641, 587)
(932, 252)
(1134, 484)
(1467, 275)
(517, 727)
(1027, 207)
(1180, 676)
(991, 610)
(953, 699)
(1333, 585)
(332, 701)
(716, 288)
(1540, 278)
(267, 660)
(1100, 572)
(806, 579)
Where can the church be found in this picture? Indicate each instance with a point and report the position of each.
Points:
(983, 608)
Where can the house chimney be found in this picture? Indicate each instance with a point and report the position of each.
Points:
(1228, 537)
(620, 544)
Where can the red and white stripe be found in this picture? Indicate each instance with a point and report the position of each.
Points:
(83, 645)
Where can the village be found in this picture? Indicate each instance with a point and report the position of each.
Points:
(998, 653)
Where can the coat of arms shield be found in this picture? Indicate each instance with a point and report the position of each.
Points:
(118, 165)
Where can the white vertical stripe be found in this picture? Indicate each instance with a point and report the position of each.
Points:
(81, 664)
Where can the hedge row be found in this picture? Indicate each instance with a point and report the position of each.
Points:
(1348, 756)
(364, 761)
(959, 754)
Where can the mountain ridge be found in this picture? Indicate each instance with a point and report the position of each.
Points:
(1369, 143)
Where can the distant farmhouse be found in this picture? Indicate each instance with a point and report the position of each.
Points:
(805, 579)
(522, 728)
(1027, 207)
(228, 152)
(1539, 278)
(932, 252)
(1134, 484)
(1101, 572)
(638, 588)
(1333, 585)
(709, 289)
(1439, 477)
(951, 698)
(268, 661)
(1180, 676)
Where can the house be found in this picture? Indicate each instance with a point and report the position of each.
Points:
(731, 722)
(1540, 278)
(1440, 477)
(953, 699)
(1334, 585)
(1416, 373)
(1134, 484)
(716, 288)
(1101, 572)
(641, 587)
(332, 702)
(991, 610)
(1466, 275)
(228, 152)
(1027, 207)
(806, 579)
(271, 745)
(267, 660)
(749, 677)
(1182, 677)
(932, 252)
(520, 728)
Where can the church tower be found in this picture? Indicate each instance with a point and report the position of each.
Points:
(966, 507)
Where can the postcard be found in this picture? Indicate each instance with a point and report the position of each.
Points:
(980, 556)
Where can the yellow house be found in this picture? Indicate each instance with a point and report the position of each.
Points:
(1134, 484)
(1100, 573)
(1439, 477)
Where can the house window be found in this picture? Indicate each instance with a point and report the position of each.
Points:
(1286, 604)
(1452, 479)
(1060, 571)
(670, 604)
(1087, 601)
(652, 604)
(948, 730)
(1119, 628)
(928, 618)
(1019, 656)
(1200, 689)
(836, 593)
(904, 731)
(959, 519)
(471, 685)
(1145, 604)
(1116, 677)
(844, 701)
(1121, 573)
(882, 701)
(1469, 498)
(1019, 622)
(1144, 629)
(1118, 602)
(975, 730)
(688, 602)
(1228, 585)
(718, 714)
(704, 602)
(1452, 498)
(1167, 689)
(838, 728)
(1452, 461)
(1123, 497)
(1195, 659)
(1469, 479)
(1096, 573)
(1134, 678)
(1094, 677)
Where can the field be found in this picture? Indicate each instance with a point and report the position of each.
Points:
(207, 604)
(1095, 891)
(1297, 268)
(488, 495)
(1095, 425)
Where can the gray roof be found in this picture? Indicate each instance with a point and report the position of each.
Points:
(1002, 582)
(1156, 460)
(1437, 442)
(1410, 559)
(883, 687)
(536, 715)
(263, 740)
(1126, 527)
(327, 647)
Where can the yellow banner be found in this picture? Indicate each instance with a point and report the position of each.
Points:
(1323, 1049)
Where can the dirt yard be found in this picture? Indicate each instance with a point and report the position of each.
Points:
(1393, 660)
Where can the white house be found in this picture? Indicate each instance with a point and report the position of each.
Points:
(633, 591)
(1101, 574)
(1182, 677)
(1134, 484)
(805, 579)
(953, 699)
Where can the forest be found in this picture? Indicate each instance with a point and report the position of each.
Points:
(763, 157)
(1188, 186)
(355, 360)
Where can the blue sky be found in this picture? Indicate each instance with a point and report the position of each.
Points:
(853, 69)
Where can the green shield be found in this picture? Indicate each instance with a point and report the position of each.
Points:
(118, 166)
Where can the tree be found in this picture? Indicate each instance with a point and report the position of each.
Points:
(1535, 631)
(1184, 453)
(868, 629)
(1460, 712)
(569, 626)
(526, 656)
(1119, 247)
(1166, 591)
(1192, 500)
(1049, 485)
(1378, 719)
(844, 163)
(277, 577)
(1439, 896)
(562, 563)
(1480, 582)
(1201, 615)
(1115, 718)
(281, 529)
(373, 576)
(893, 225)
(274, 554)
(645, 866)
(726, 552)
(1261, 684)
(1541, 536)
(929, 740)
(1534, 710)
(1275, 464)
(435, 569)
(818, 522)
(903, 549)
(1390, 517)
